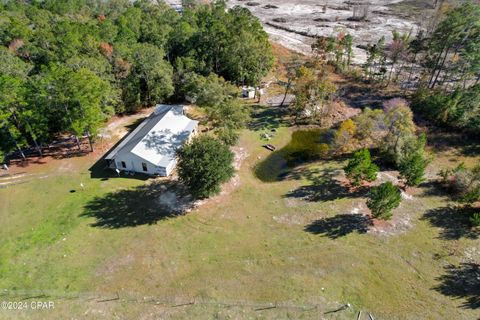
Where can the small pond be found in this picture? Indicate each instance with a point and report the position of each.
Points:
(304, 146)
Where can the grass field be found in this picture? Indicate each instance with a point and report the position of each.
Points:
(287, 249)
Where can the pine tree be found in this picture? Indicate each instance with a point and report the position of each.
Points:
(383, 199)
(360, 168)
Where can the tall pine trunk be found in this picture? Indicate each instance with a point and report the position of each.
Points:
(440, 67)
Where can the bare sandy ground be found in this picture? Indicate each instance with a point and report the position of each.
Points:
(295, 23)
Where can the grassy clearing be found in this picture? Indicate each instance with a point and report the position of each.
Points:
(290, 242)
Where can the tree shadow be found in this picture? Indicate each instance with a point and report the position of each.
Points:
(165, 142)
(358, 95)
(324, 186)
(340, 225)
(143, 205)
(462, 282)
(434, 188)
(263, 118)
(454, 221)
(462, 144)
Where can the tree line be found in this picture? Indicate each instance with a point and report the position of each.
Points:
(68, 65)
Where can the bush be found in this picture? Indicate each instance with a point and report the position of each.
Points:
(227, 135)
(345, 133)
(360, 168)
(463, 182)
(412, 169)
(383, 199)
(203, 165)
(475, 219)
(369, 124)
(413, 161)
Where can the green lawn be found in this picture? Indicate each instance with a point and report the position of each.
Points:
(292, 242)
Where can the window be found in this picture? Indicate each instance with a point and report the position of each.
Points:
(124, 165)
(144, 166)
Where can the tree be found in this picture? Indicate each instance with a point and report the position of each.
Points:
(400, 128)
(345, 133)
(360, 168)
(203, 165)
(313, 95)
(413, 162)
(453, 43)
(383, 199)
(150, 80)
(370, 124)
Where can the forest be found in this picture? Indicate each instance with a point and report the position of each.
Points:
(67, 66)
(438, 68)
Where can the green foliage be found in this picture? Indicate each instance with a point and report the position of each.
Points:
(475, 219)
(463, 182)
(204, 164)
(459, 109)
(398, 121)
(345, 133)
(150, 80)
(383, 199)
(413, 163)
(313, 93)
(412, 169)
(361, 168)
(369, 123)
(227, 135)
(72, 63)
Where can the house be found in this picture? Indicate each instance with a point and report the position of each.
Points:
(151, 147)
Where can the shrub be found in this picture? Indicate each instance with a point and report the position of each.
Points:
(227, 135)
(412, 169)
(413, 161)
(360, 168)
(203, 165)
(345, 133)
(475, 219)
(383, 199)
(369, 123)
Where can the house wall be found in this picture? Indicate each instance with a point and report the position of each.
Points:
(134, 163)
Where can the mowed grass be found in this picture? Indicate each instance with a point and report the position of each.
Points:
(260, 244)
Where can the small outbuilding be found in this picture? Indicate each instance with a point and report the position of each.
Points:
(248, 92)
(151, 147)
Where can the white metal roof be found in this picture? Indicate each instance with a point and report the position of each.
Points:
(158, 137)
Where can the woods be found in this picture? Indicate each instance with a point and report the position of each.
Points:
(67, 66)
(439, 66)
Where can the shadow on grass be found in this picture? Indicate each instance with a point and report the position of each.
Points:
(267, 118)
(340, 225)
(100, 170)
(462, 282)
(454, 221)
(360, 95)
(462, 144)
(434, 188)
(324, 186)
(143, 205)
